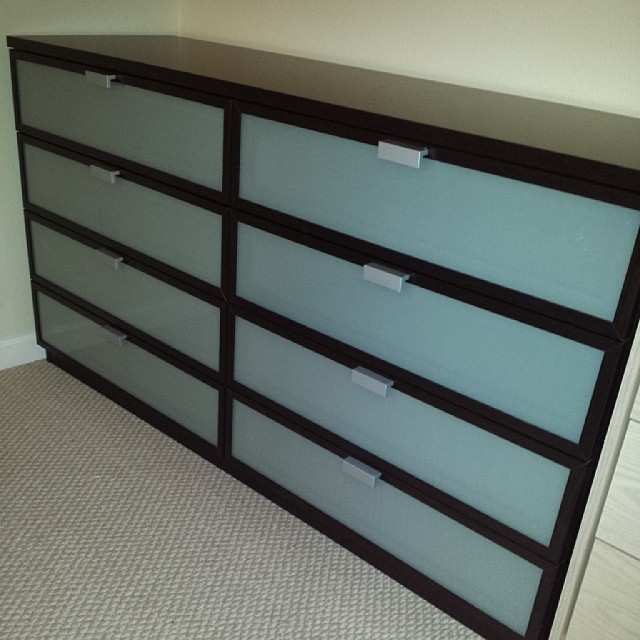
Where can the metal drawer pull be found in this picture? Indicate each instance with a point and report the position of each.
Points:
(384, 276)
(114, 336)
(371, 381)
(109, 258)
(401, 153)
(99, 79)
(106, 175)
(360, 471)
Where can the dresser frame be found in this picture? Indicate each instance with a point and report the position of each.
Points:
(315, 95)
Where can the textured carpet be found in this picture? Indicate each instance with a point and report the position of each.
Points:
(109, 529)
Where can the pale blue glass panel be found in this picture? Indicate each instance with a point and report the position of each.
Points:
(556, 246)
(161, 131)
(164, 312)
(173, 231)
(515, 486)
(488, 576)
(532, 374)
(162, 386)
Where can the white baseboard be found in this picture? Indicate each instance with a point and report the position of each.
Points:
(20, 350)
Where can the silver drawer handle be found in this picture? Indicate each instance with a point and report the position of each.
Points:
(384, 276)
(371, 381)
(114, 336)
(401, 153)
(109, 258)
(106, 175)
(360, 471)
(99, 79)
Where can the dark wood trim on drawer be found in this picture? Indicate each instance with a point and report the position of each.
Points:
(227, 325)
(149, 343)
(546, 603)
(229, 179)
(117, 161)
(160, 270)
(135, 336)
(601, 405)
(360, 253)
(540, 177)
(34, 301)
(120, 162)
(231, 249)
(555, 587)
(27, 233)
(349, 358)
(521, 306)
(515, 170)
(124, 174)
(142, 82)
(405, 575)
(156, 269)
(137, 407)
(628, 311)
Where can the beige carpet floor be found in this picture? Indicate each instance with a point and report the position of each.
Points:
(111, 530)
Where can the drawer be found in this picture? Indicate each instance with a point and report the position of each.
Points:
(513, 485)
(560, 247)
(539, 377)
(171, 134)
(184, 399)
(495, 580)
(170, 230)
(174, 317)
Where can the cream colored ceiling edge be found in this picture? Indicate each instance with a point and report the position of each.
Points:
(610, 452)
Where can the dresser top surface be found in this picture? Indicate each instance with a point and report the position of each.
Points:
(562, 129)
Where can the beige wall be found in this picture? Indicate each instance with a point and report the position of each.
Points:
(49, 16)
(584, 52)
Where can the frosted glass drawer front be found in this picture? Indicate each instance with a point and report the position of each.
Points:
(170, 230)
(164, 132)
(529, 373)
(162, 386)
(488, 576)
(553, 245)
(515, 486)
(176, 318)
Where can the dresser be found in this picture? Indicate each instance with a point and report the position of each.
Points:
(399, 309)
